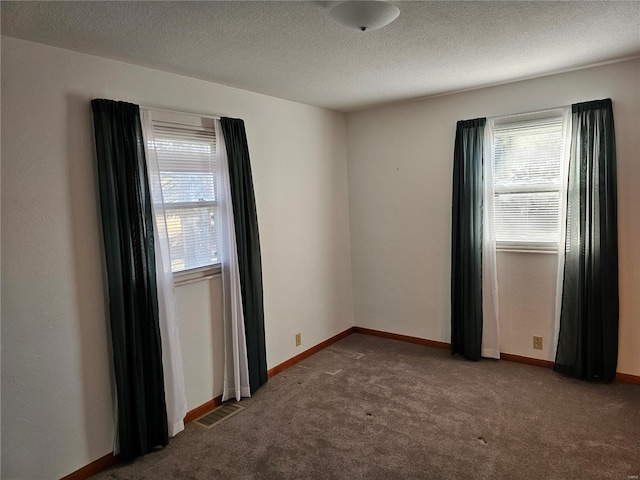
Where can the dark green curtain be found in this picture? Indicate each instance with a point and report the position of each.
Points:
(466, 239)
(127, 228)
(588, 337)
(248, 247)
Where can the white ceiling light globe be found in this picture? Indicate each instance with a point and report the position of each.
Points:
(364, 15)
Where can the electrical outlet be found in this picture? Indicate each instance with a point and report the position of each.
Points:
(298, 339)
(537, 343)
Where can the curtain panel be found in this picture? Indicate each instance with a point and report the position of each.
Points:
(236, 367)
(466, 239)
(175, 394)
(127, 227)
(588, 337)
(566, 156)
(490, 345)
(248, 247)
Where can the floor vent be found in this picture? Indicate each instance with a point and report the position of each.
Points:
(219, 415)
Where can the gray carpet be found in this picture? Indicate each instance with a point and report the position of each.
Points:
(371, 408)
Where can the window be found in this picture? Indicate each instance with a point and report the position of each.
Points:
(527, 165)
(186, 152)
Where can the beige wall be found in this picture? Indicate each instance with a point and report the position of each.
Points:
(199, 308)
(526, 296)
(400, 177)
(57, 411)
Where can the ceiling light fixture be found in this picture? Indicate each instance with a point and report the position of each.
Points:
(364, 15)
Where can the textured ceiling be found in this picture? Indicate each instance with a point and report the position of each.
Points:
(293, 50)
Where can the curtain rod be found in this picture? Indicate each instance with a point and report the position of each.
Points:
(156, 109)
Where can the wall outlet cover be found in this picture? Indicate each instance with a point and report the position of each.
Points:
(537, 343)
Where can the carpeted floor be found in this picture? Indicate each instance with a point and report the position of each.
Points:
(372, 408)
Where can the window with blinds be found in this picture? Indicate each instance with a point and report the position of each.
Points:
(188, 175)
(527, 161)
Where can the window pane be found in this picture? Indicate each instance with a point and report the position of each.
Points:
(188, 176)
(527, 160)
(187, 166)
(528, 155)
(527, 217)
(180, 187)
(192, 237)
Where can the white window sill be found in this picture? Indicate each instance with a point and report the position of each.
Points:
(196, 275)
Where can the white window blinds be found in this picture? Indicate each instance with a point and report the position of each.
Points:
(527, 161)
(188, 174)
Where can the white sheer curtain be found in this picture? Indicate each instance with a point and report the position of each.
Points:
(490, 327)
(236, 368)
(566, 151)
(174, 388)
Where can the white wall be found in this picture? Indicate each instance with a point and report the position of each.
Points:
(526, 296)
(400, 178)
(56, 395)
(202, 339)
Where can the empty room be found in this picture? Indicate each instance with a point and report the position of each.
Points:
(307, 239)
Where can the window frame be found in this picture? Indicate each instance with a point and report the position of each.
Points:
(198, 274)
(195, 121)
(529, 246)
